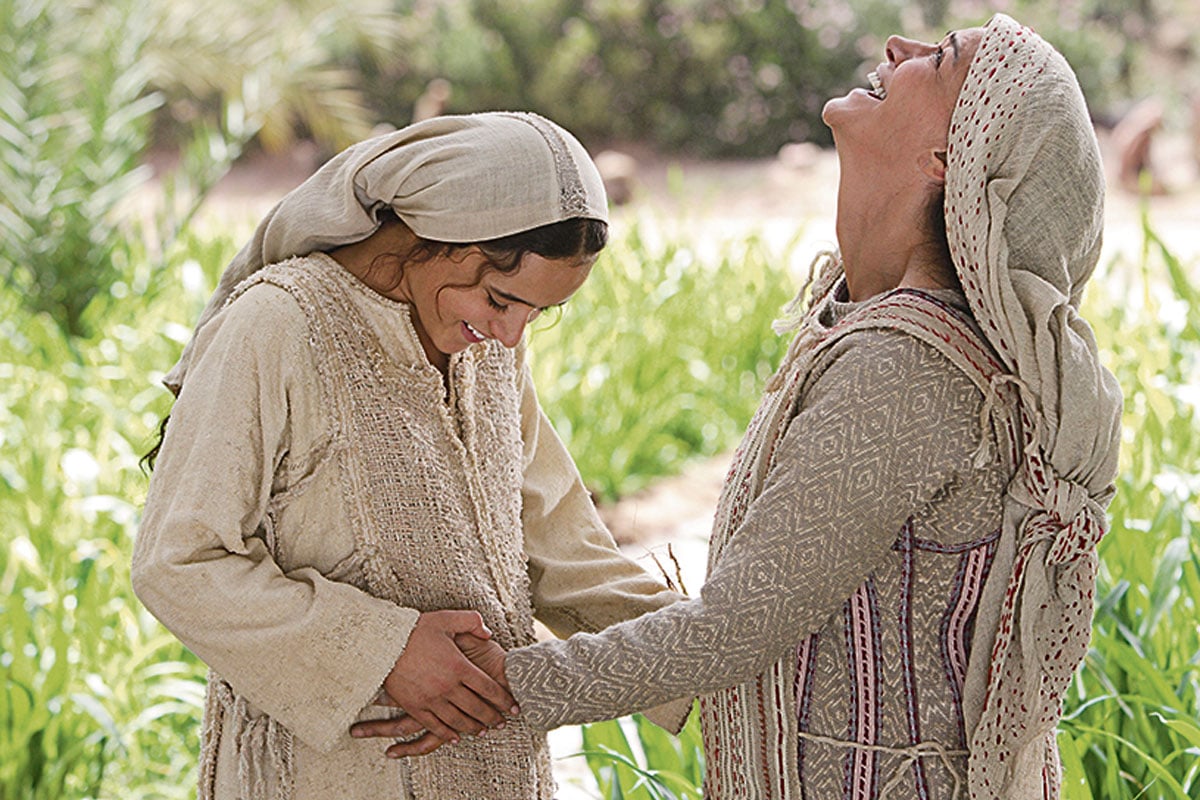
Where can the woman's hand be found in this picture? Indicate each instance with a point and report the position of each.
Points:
(487, 656)
(438, 687)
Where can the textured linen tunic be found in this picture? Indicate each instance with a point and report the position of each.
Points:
(252, 549)
(843, 583)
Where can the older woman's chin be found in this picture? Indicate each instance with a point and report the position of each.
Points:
(840, 112)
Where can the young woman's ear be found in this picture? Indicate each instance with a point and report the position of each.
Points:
(933, 164)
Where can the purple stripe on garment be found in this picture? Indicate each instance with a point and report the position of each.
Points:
(806, 662)
(907, 671)
(864, 660)
(930, 546)
(957, 622)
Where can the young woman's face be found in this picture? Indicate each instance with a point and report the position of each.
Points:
(907, 112)
(458, 301)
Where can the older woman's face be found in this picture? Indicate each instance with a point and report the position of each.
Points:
(907, 111)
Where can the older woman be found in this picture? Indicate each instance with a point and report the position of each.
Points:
(901, 569)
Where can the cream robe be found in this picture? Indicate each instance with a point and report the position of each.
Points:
(275, 610)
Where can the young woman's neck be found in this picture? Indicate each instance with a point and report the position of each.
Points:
(377, 261)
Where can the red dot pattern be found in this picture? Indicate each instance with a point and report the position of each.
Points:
(1050, 588)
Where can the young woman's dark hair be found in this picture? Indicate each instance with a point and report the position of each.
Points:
(564, 239)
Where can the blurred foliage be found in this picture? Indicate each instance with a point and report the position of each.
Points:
(697, 313)
(89, 88)
(1122, 50)
(707, 76)
(74, 108)
(284, 63)
(736, 77)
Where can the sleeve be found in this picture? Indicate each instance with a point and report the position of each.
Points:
(579, 579)
(887, 424)
(308, 651)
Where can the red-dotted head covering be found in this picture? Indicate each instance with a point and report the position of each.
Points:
(1024, 210)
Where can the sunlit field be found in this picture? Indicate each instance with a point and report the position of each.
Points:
(659, 359)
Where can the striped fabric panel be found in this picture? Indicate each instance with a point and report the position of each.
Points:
(864, 662)
(806, 661)
(907, 669)
(973, 568)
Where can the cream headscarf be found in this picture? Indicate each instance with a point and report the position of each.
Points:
(1024, 210)
(450, 179)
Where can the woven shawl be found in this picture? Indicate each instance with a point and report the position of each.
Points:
(457, 179)
(1024, 209)
(432, 492)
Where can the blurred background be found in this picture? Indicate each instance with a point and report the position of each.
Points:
(140, 140)
(99, 97)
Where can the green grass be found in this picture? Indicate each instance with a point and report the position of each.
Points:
(660, 358)
(1132, 725)
(98, 700)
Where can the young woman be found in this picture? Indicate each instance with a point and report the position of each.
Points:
(357, 446)
(901, 570)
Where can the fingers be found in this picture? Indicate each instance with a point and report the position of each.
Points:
(399, 728)
(435, 683)
(456, 622)
(421, 746)
(473, 703)
(434, 724)
(482, 685)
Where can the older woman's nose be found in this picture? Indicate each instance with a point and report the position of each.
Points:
(899, 49)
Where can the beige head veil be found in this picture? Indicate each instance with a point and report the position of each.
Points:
(1024, 209)
(450, 179)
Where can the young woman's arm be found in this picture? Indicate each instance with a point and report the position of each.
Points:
(309, 651)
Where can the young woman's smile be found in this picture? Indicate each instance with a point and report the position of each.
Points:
(461, 300)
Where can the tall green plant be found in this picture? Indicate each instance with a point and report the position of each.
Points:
(96, 699)
(77, 103)
(634, 759)
(74, 112)
(662, 355)
(1132, 727)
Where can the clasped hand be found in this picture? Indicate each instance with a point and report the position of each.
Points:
(440, 690)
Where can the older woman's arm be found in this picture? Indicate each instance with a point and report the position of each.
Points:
(580, 581)
(863, 453)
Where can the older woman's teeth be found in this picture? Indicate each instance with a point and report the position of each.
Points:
(877, 86)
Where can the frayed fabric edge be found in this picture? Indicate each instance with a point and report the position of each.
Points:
(265, 749)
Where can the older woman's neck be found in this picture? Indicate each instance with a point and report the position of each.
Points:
(883, 242)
